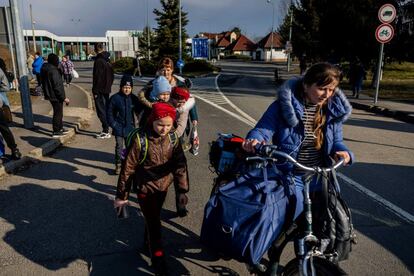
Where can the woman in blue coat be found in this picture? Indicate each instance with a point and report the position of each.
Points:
(306, 123)
(37, 66)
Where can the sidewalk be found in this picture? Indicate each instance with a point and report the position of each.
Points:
(38, 142)
(402, 110)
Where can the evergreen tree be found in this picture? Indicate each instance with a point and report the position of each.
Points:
(144, 46)
(167, 39)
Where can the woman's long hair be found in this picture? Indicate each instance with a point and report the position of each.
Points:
(321, 74)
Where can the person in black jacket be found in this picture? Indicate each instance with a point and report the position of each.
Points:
(103, 77)
(54, 91)
(121, 109)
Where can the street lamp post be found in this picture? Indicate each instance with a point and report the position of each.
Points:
(290, 34)
(148, 35)
(180, 52)
(33, 31)
(273, 23)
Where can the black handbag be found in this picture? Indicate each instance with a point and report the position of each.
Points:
(6, 114)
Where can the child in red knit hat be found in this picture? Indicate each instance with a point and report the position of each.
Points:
(164, 164)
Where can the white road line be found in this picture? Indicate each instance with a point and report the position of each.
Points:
(225, 110)
(244, 114)
(377, 198)
(390, 206)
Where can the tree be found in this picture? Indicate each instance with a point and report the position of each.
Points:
(334, 30)
(144, 46)
(167, 39)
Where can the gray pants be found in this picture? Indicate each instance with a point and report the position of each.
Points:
(119, 146)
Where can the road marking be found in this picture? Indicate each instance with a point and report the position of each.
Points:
(380, 200)
(388, 205)
(244, 114)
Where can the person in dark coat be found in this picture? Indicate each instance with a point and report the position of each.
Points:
(54, 91)
(4, 103)
(121, 110)
(103, 77)
(356, 77)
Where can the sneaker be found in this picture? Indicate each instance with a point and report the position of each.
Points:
(64, 131)
(103, 135)
(16, 154)
(58, 134)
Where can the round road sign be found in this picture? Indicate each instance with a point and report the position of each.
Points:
(387, 13)
(384, 33)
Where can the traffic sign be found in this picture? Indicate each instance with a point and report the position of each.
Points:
(384, 33)
(288, 47)
(387, 13)
(180, 63)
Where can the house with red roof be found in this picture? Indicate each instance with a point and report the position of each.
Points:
(241, 46)
(271, 48)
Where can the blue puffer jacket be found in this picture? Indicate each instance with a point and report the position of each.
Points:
(282, 123)
(37, 65)
(120, 113)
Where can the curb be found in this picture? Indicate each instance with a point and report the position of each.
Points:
(398, 115)
(37, 154)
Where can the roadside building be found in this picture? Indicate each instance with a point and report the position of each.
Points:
(242, 46)
(264, 48)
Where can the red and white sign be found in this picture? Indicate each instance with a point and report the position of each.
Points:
(387, 13)
(384, 33)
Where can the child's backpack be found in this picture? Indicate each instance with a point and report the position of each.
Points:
(141, 136)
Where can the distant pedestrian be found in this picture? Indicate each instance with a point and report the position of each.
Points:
(103, 77)
(137, 67)
(164, 165)
(54, 91)
(29, 63)
(122, 108)
(356, 76)
(302, 65)
(67, 69)
(37, 66)
(5, 113)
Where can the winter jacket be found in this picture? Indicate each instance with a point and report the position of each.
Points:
(120, 113)
(164, 164)
(67, 67)
(52, 83)
(103, 74)
(37, 65)
(4, 87)
(282, 123)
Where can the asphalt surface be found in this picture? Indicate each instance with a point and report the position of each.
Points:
(57, 216)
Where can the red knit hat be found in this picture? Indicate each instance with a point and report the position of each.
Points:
(180, 93)
(161, 110)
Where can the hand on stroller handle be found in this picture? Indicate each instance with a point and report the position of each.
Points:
(271, 153)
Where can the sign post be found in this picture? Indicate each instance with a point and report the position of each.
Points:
(384, 33)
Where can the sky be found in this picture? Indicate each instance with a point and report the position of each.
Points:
(94, 17)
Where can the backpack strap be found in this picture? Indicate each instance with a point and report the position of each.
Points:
(142, 142)
(173, 138)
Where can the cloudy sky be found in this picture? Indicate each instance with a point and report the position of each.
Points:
(94, 17)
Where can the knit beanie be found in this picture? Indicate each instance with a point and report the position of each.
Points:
(160, 85)
(126, 80)
(180, 93)
(161, 110)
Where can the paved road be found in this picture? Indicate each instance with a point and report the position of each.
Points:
(56, 217)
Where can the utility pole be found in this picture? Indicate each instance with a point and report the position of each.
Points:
(11, 42)
(180, 51)
(21, 63)
(290, 34)
(148, 35)
(33, 32)
(273, 23)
